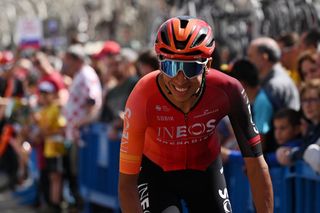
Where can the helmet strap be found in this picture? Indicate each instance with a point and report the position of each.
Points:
(202, 85)
(168, 90)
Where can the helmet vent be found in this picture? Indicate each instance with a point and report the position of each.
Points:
(181, 44)
(210, 43)
(183, 23)
(164, 37)
(197, 52)
(164, 50)
(200, 37)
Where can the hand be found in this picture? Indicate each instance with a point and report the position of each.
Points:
(283, 156)
(225, 154)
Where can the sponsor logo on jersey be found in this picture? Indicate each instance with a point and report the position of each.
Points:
(125, 133)
(206, 112)
(163, 108)
(226, 202)
(144, 197)
(179, 135)
(245, 97)
(165, 118)
(221, 170)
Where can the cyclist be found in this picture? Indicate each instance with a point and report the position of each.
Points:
(169, 147)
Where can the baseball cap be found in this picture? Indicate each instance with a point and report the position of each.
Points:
(129, 54)
(47, 87)
(78, 51)
(109, 48)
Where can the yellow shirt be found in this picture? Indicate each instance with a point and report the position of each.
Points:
(52, 121)
(294, 76)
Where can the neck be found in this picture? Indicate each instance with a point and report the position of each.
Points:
(265, 70)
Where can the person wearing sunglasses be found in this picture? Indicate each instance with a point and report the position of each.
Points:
(169, 148)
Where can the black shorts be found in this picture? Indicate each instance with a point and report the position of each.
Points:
(201, 191)
(54, 164)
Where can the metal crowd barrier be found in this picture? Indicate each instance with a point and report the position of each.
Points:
(27, 194)
(98, 168)
(296, 188)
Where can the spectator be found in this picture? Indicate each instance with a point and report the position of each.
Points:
(307, 66)
(309, 40)
(147, 62)
(10, 87)
(108, 56)
(287, 134)
(262, 110)
(82, 107)
(310, 98)
(47, 72)
(116, 98)
(288, 44)
(287, 131)
(51, 124)
(265, 53)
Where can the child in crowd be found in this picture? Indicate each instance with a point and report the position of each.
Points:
(310, 101)
(287, 133)
(51, 124)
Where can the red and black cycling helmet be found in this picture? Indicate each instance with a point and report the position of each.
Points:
(185, 38)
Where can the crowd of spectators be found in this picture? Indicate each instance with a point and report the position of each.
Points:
(46, 97)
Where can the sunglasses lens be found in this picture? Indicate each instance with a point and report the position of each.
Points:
(190, 69)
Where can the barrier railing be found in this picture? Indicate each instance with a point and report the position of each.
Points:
(98, 168)
(296, 188)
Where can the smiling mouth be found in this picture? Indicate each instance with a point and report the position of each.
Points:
(180, 89)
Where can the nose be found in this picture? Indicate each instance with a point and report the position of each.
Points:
(180, 76)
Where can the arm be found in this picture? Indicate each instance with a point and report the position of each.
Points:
(260, 182)
(128, 194)
(131, 151)
(250, 145)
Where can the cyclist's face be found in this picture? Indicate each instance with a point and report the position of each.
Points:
(181, 87)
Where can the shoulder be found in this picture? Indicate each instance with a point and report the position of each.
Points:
(281, 78)
(146, 86)
(220, 77)
(217, 79)
(87, 72)
(148, 81)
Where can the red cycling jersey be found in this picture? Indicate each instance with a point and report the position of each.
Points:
(175, 140)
